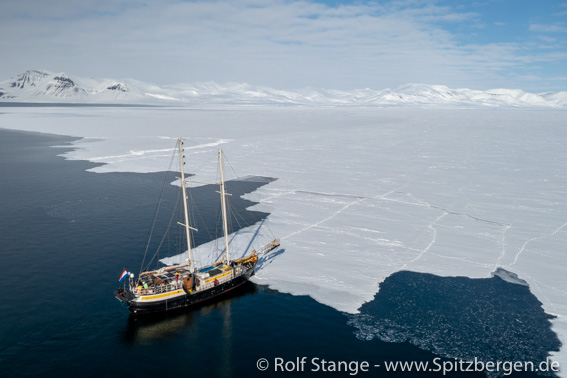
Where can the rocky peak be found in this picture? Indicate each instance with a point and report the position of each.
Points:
(118, 87)
(29, 79)
(62, 86)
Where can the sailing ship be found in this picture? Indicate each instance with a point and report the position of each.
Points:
(184, 285)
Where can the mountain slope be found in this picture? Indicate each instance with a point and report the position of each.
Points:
(44, 86)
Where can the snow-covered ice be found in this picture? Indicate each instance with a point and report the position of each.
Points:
(365, 192)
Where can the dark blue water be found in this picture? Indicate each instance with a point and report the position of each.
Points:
(66, 234)
(489, 319)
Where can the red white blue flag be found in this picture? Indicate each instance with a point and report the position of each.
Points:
(123, 275)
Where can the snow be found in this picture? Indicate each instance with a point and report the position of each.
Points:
(240, 244)
(45, 86)
(364, 192)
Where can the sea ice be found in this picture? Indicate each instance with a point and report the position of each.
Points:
(365, 192)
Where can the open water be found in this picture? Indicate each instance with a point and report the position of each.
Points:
(66, 235)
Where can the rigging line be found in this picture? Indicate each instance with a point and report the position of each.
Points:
(194, 213)
(157, 211)
(247, 225)
(234, 218)
(237, 182)
(196, 170)
(218, 225)
(233, 215)
(165, 235)
(230, 165)
(196, 210)
(216, 239)
(270, 230)
(196, 258)
(256, 233)
(201, 166)
(237, 214)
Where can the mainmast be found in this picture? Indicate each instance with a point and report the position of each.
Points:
(184, 193)
(223, 203)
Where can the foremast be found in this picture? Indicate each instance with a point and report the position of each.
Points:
(185, 210)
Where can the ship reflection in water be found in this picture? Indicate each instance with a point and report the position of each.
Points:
(163, 326)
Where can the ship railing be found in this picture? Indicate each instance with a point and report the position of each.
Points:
(221, 280)
(162, 288)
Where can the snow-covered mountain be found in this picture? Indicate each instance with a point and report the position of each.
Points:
(44, 86)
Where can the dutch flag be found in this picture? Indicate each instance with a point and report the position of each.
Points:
(123, 275)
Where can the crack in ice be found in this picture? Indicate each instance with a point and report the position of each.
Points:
(534, 239)
(434, 239)
(503, 246)
(461, 259)
(324, 220)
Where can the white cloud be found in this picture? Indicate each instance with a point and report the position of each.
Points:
(548, 28)
(278, 43)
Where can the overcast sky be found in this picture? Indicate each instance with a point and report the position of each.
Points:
(337, 44)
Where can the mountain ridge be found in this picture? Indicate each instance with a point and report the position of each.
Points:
(44, 86)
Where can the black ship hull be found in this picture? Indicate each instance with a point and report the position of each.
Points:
(188, 300)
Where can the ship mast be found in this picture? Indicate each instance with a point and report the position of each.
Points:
(223, 203)
(183, 191)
